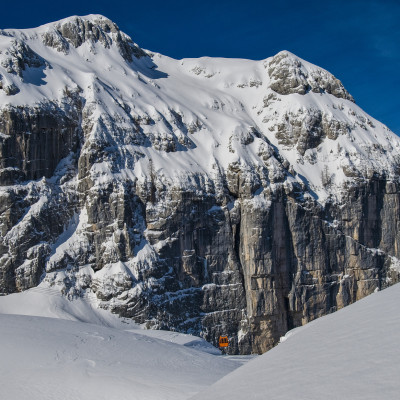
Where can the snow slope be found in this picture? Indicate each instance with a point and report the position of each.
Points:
(43, 301)
(47, 358)
(53, 347)
(351, 354)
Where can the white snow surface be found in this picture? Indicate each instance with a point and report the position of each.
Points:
(67, 350)
(352, 354)
(45, 358)
(48, 302)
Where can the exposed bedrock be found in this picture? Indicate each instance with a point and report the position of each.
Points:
(250, 266)
(34, 140)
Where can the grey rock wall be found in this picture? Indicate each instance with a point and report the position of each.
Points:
(248, 265)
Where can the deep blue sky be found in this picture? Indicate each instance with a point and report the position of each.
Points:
(357, 40)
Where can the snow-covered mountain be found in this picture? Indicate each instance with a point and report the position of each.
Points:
(211, 196)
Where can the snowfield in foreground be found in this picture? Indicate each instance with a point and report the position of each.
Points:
(82, 352)
(352, 354)
(46, 358)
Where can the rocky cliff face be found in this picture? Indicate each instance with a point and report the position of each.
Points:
(208, 196)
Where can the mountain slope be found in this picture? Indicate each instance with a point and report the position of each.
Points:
(211, 196)
(352, 354)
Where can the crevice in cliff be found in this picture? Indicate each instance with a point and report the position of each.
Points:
(237, 246)
(289, 317)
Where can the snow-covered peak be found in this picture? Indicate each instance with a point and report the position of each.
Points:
(281, 119)
(93, 18)
(76, 29)
(73, 32)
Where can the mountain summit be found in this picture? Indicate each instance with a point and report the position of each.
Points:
(212, 196)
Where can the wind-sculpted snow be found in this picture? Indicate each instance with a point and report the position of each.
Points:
(212, 196)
